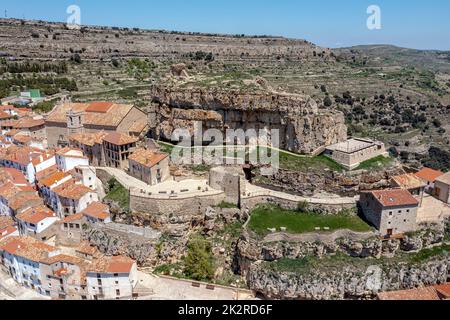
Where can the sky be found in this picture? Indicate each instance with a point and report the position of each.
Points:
(415, 24)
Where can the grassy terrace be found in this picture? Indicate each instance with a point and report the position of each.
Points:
(119, 194)
(269, 216)
(374, 163)
(339, 261)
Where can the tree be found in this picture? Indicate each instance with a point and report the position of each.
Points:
(327, 102)
(199, 262)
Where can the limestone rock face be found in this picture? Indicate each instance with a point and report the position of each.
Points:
(302, 127)
(345, 283)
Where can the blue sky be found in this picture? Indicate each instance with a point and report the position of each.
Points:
(332, 23)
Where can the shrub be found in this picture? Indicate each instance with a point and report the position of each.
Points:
(199, 262)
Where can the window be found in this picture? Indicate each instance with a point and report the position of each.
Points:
(116, 274)
(99, 282)
(117, 292)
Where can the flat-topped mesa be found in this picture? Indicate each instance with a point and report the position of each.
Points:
(303, 128)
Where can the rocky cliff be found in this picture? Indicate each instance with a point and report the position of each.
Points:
(303, 128)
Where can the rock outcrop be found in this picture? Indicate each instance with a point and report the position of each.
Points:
(302, 127)
(347, 282)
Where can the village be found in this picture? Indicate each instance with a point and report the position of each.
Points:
(50, 191)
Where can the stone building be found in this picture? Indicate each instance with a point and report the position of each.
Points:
(148, 166)
(392, 212)
(351, 153)
(117, 148)
(442, 188)
(92, 146)
(231, 180)
(76, 118)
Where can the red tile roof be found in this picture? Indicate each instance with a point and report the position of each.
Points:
(147, 158)
(27, 248)
(97, 210)
(6, 221)
(429, 175)
(36, 215)
(409, 181)
(117, 264)
(426, 294)
(72, 218)
(119, 139)
(53, 178)
(394, 198)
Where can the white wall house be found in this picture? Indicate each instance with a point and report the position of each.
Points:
(20, 257)
(73, 198)
(47, 185)
(35, 222)
(114, 279)
(67, 159)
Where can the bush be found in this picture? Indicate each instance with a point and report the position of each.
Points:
(327, 102)
(199, 262)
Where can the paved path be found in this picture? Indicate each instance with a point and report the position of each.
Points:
(254, 191)
(11, 290)
(162, 288)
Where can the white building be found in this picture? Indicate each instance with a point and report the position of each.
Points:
(20, 257)
(48, 184)
(69, 158)
(112, 278)
(73, 198)
(37, 223)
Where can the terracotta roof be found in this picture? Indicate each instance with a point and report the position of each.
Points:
(97, 210)
(428, 293)
(119, 139)
(4, 115)
(27, 123)
(394, 198)
(138, 126)
(27, 248)
(13, 175)
(408, 181)
(6, 221)
(72, 218)
(71, 153)
(88, 139)
(7, 232)
(22, 138)
(429, 175)
(62, 258)
(23, 201)
(53, 178)
(444, 290)
(36, 215)
(70, 190)
(147, 158)
(117, 264)
(445, 178)
(86, 248)
(46, 172)
(95, 114)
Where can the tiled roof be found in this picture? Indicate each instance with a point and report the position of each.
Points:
(63, 258)
(6, 221)
(23, 201)
(7, 232)
(13, 175)
(53, 178)
(46, 172)
(94, 113)
(119, 139)
(27, 123)
(444, 290)
(445, 178)
(27, 248)
(22, 138)
(88, 139)
(408, 181)
(73, 191)
(71, 153)
(36, 215)
(429, 175)
(147, 158)
(117, 264)
(426, 294)
(4, 115)
(86, 248)
(97, 210)
(72, 218)
(394, 198)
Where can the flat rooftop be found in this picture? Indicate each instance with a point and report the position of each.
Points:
(352, 145)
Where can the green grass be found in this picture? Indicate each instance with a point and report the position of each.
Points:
(45, 106)
(226, 205)
(269, 216)
(119, 194)
(305, 163)
(376, 162)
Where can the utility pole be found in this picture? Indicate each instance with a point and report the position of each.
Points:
(6, 13)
